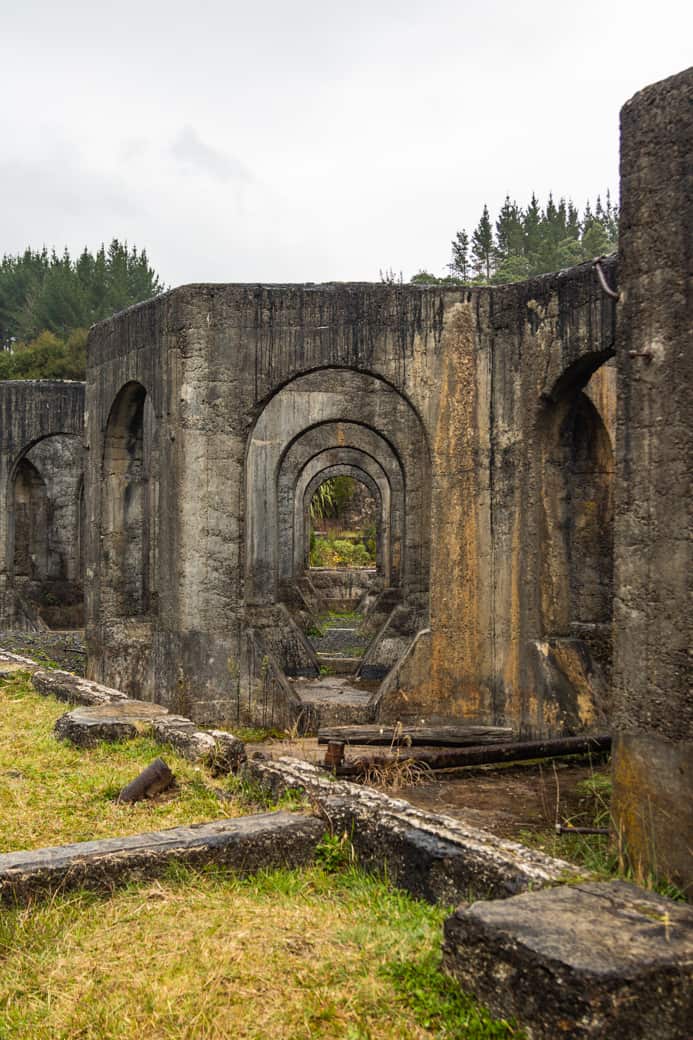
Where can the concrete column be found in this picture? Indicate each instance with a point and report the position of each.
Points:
(653, 722)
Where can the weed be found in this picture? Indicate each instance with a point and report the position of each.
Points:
(600, 855)
(335, 852)
(255, 734)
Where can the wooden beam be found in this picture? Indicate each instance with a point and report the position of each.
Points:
(413, 736)
(455, 758)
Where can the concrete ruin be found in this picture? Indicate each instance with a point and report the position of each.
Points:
(527, 447)
(41, 504)
(484, 418)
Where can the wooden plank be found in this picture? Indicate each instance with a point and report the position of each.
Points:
(455, 758)
(413, 736)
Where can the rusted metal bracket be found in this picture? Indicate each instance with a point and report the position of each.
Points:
(603, 282)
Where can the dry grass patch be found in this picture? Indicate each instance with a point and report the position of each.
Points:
(285, 955)
(52, 793)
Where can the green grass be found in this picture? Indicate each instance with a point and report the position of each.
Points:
(52, 793)
(256, 734)
(285, 955)
(599, 854)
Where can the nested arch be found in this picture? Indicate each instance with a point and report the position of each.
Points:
(308, 486)
(334, 444)
(320, 400)
(128, 532)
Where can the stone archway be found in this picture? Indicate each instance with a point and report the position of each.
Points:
(334, 444)
(43, 531)
(311, 479)
(317, 405)
(128, 534)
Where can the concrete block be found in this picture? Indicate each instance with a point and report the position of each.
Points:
(602, 960)
(122, 720)
(223, 752)
(73, 688)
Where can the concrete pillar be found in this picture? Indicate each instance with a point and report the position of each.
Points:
(653, 722)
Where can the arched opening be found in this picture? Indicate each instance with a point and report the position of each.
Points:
(44, 532)
(346, 449)
(127, 534)
(577, 529)
(30, 524)
(345, 522)
(329, 423)
(315, 409)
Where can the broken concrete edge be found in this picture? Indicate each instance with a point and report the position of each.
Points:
(17, 662)
(594, 960)
(221, 751)
(433, 857)
(246, 845)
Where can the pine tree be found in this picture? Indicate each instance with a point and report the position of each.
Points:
(40, 291)
(509, 232)
(482, 246)
(459, 265)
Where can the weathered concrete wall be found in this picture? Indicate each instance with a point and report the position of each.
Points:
(653, 760)
(41, 465)
(511, 355)
(453, 383)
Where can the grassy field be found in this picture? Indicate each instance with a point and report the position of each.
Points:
(287, 955)
(52, 793)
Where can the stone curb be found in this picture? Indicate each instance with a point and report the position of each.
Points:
(433, 857)
(246, 844)
(221, 751)
(74, 689)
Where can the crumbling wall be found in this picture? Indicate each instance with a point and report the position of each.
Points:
(509, 355)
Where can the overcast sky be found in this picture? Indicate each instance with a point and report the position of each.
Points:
(310, 141)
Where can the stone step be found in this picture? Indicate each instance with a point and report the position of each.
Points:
(339, 665)
(594, 961)
(334, 701)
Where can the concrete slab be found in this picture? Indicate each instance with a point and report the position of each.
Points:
(246, 844)
(73, 688)
(334, 700)
(121, 720)
(603, 960)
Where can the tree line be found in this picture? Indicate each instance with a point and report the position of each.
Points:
(522, 243)
(49, 300)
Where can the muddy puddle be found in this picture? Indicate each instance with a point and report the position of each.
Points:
(507, 801)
